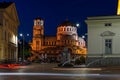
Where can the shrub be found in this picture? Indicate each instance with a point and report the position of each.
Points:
(77, 61)
(82, 60)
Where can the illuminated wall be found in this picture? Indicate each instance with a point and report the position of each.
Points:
(8, 32)
(38, 33)
(118, 8)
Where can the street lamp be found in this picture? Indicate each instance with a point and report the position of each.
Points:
(83, 37)
(22, 46)
(23, 38)
(78, 25)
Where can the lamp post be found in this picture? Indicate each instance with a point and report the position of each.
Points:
(22, 46)
(23, 38)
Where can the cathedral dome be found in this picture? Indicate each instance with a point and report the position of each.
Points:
(67, 23)
(38, 18)
(67, 37)
(67, 28)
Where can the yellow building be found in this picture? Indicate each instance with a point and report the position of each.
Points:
(8, 31)
(51, 46)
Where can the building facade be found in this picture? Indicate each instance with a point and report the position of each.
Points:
(8, 31)
(104, 40)
(51, 46)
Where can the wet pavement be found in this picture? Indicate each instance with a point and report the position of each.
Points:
(50, 72)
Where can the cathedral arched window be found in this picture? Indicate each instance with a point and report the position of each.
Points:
(65, 41)
(52, 43)
(55, 42)
(67, 29)
(70, 29)
(37, 45)
(49, 43)
(46, 43)
(38, 23)
(64, 29)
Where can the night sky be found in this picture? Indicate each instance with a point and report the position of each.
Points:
(56, 11)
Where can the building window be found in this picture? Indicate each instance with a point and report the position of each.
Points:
(108, 46)
(38, 23)
(46, 43)
(67, 29)
(5, 36)
(52, 43)
(61, 29)
(55, 42)
(108, 24)
(70, 29)
(64, 29)
(37, 45)
(49, 43)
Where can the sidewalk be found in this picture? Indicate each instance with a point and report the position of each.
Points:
(97, 68)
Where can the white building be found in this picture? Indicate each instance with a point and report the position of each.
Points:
(104, 40)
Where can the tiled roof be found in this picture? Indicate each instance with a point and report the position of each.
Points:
(5, 4)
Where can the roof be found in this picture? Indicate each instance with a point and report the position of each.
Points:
(67, 23)
(5, 4)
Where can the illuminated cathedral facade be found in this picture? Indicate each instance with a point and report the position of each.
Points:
(51, 47)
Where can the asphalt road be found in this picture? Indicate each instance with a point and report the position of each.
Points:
(50, 72)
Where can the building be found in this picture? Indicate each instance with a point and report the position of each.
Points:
(104, 40)
(8, 31)
(50, 47)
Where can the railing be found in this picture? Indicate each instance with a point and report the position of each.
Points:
(97, 60)
(104, 55)
(100, 59)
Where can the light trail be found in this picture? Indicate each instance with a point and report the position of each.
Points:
(47, 74)
(60, 74)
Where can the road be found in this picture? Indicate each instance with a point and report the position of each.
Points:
(50, 72)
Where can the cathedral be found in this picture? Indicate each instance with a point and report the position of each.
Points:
(51, 47)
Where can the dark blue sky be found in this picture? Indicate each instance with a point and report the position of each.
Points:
(56, 11)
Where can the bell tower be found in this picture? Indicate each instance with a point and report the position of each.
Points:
(38, 33)
(118, 8)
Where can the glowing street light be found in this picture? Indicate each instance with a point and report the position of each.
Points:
(83, 37)
(77, 24)
(27, 34)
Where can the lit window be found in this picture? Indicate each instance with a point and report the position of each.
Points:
(37, 45)
(64, 29)
(61, 29)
